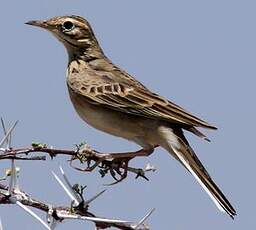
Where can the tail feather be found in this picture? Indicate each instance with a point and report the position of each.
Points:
(192, 129)
(178, 146)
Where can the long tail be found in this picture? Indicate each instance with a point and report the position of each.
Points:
(178, 146)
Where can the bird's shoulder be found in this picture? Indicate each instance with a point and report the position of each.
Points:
(100, 74)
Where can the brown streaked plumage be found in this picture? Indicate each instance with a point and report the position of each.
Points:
(112, 101)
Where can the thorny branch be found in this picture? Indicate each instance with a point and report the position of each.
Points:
(79, 208)
(60, 213)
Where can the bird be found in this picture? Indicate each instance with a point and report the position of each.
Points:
(109, 99)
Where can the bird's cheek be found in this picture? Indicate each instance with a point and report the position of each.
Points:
(58, 35)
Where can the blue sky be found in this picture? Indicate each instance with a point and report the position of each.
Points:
(199, 54)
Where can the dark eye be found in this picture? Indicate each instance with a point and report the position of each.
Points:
(68, 25)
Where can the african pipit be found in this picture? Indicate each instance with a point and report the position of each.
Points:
(111, 100)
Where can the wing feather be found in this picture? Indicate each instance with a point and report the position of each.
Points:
(137, 101)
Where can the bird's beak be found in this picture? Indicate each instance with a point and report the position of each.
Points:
(42, 24)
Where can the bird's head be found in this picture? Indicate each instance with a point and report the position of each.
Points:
(73, 31)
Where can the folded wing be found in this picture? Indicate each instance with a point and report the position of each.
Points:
(135, 100)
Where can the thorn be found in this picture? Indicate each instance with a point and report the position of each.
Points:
(78, 198)
(7, 134)
(1, 225)
(33, 214)
(9, 138)
(94, 197)
(150, 167)
(3, 125)
(93, 219)
(71, 196)
(13, 184)
(142, 221)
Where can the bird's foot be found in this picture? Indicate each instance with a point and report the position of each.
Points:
(116, 164)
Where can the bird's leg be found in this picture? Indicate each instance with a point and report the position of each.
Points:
(114, 163)
(120, 162)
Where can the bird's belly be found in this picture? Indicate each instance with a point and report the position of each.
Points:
(109, 121)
